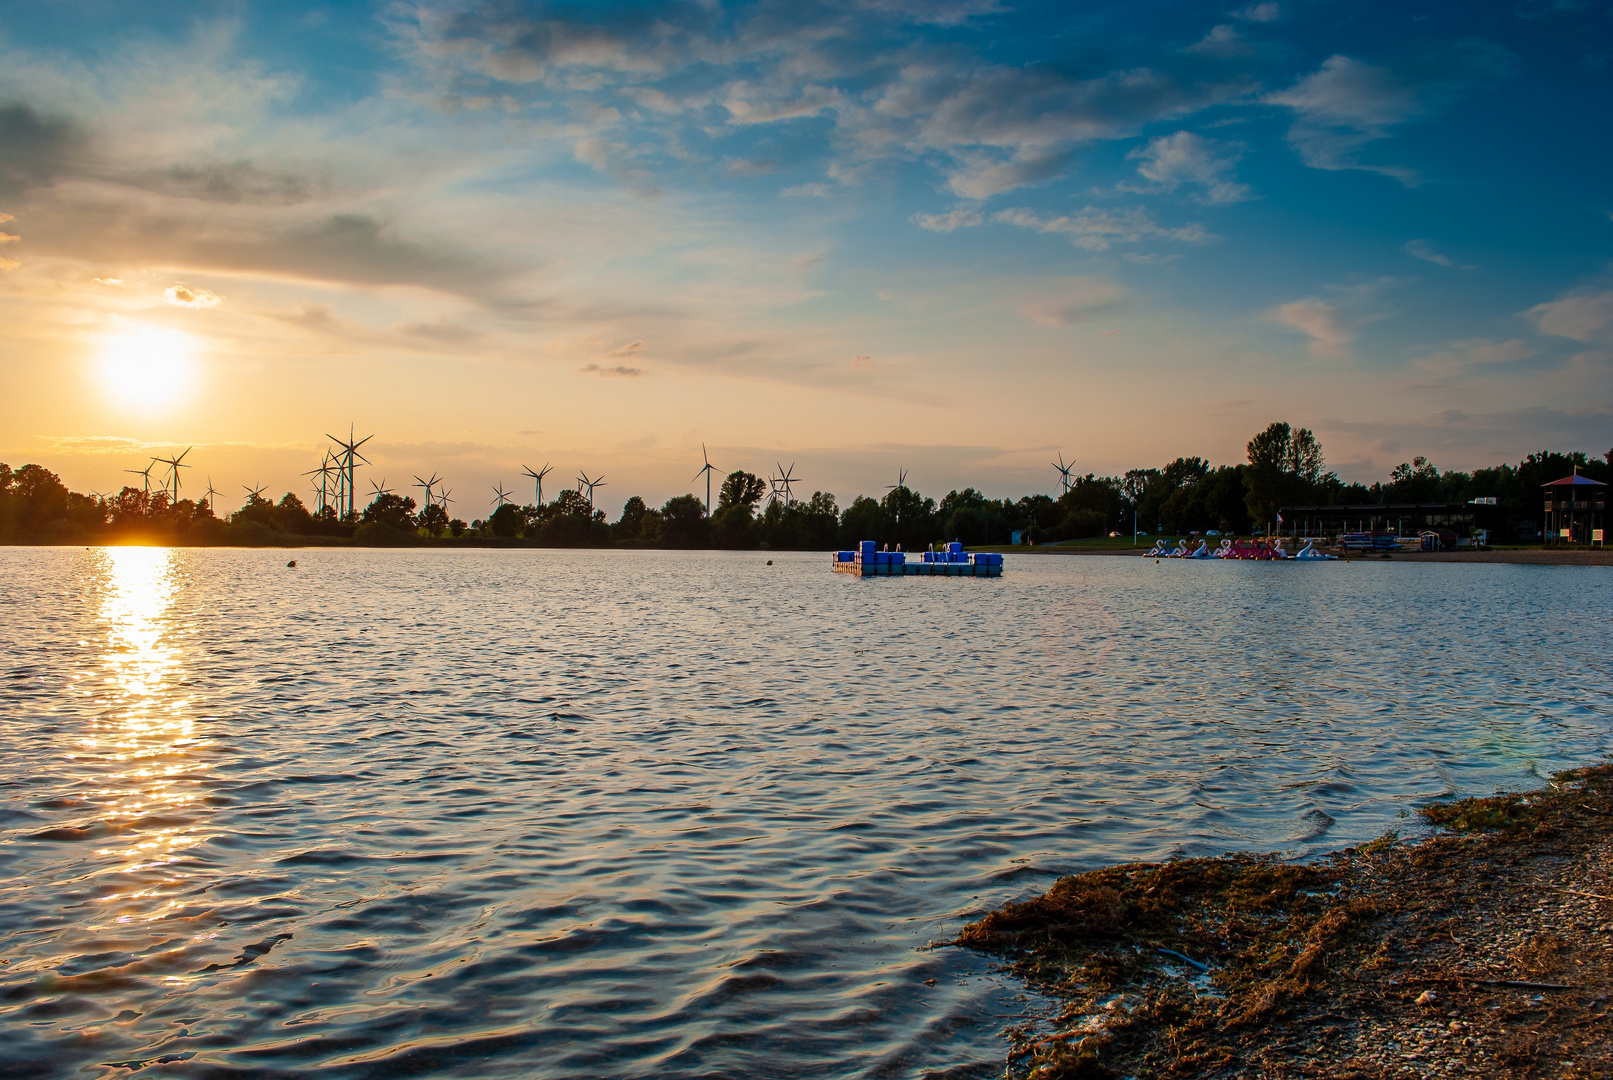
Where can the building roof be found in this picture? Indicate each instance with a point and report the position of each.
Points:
(1575, 481)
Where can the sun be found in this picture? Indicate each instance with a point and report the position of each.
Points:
(147, 367)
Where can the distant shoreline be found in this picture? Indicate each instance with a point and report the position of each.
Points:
(1515, 557)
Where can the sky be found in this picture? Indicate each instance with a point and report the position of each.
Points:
(957, 237)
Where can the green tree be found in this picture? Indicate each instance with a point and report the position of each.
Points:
(683, 522)
(631, 523)
(864, 519)
(434, 520)
(393, 511)
(507, 521)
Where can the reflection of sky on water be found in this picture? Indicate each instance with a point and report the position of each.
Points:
(142, 750)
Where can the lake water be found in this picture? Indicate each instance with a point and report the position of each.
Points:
(608, 814)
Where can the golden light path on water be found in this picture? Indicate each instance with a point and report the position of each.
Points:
(143, 751)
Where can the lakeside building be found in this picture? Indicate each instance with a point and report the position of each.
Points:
(1575, 507)
(1399, 519)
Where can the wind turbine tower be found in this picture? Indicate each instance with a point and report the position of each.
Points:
(347, 461)
(538, 477)
(787, 478)
(583, 481)
(1064, 473)
(708, 468)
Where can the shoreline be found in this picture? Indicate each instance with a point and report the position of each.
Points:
(1515, 557)
(1484, 949)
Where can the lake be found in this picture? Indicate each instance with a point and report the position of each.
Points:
(541, 813)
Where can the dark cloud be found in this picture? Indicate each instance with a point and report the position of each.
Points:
(234, 182)
(35, 149)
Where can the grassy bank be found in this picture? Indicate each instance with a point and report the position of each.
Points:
(1485, 949)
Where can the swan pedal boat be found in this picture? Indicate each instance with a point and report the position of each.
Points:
(1242, 549)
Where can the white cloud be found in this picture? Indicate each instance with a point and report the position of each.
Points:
(1258, 13)
(1075, 299)
(1475, 355)
(1419, 249)
(1587, 317)
(1222, 42)
(806, 191)
(185, 296)
(1346, 103)
(1094, 229)
(1186, 158)
(945, 223)
(1330, 339)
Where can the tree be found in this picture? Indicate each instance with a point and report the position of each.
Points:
(433, 518)
(908, 519)
(1285, 468)
(683, 522)
(506, 521)
(733, 522)
(393, 511)
(864, 519)
(629, 525)
(740, 488)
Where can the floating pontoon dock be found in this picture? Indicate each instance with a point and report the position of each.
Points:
(952, 562)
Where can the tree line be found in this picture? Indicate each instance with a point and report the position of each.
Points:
(1284, 467)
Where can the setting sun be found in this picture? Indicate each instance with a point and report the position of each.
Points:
(147, 367)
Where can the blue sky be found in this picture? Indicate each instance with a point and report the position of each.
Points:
(957, 237)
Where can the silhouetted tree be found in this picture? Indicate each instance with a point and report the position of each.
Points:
(393, 511)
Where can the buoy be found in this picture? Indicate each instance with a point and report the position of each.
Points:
(292, 564)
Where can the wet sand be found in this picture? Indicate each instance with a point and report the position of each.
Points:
(1485, 949)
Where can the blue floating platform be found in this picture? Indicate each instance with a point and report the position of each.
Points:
(951, 562)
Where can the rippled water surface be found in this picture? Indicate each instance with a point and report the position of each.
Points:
(549, 814)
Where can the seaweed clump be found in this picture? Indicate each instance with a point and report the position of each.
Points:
(1456, 944)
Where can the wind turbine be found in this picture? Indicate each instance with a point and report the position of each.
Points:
(500, 496)
(210, 493)
(174, 465)
(443, 500)
(901, 481)
(327, 465)
(254, 492)
(428, 485)
(538, 477)
(377, 490)
(583, 480)
(347, 462)
(1064, 472)
(708, 468)
(786, 477)
(145, 475)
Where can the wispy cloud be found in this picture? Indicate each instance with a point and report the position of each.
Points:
(1095, 229)
(621, 370)
(962, 217)
(1319, 320)
(1204, 165)
(1580, 317)
(185, 296)
(1073, 300)
(1347, 103)
(1420, 249)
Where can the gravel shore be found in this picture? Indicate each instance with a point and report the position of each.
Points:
(1484, 950)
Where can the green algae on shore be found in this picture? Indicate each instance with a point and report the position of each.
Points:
(1480, 950)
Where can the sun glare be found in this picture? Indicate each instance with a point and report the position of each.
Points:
(147, 367)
